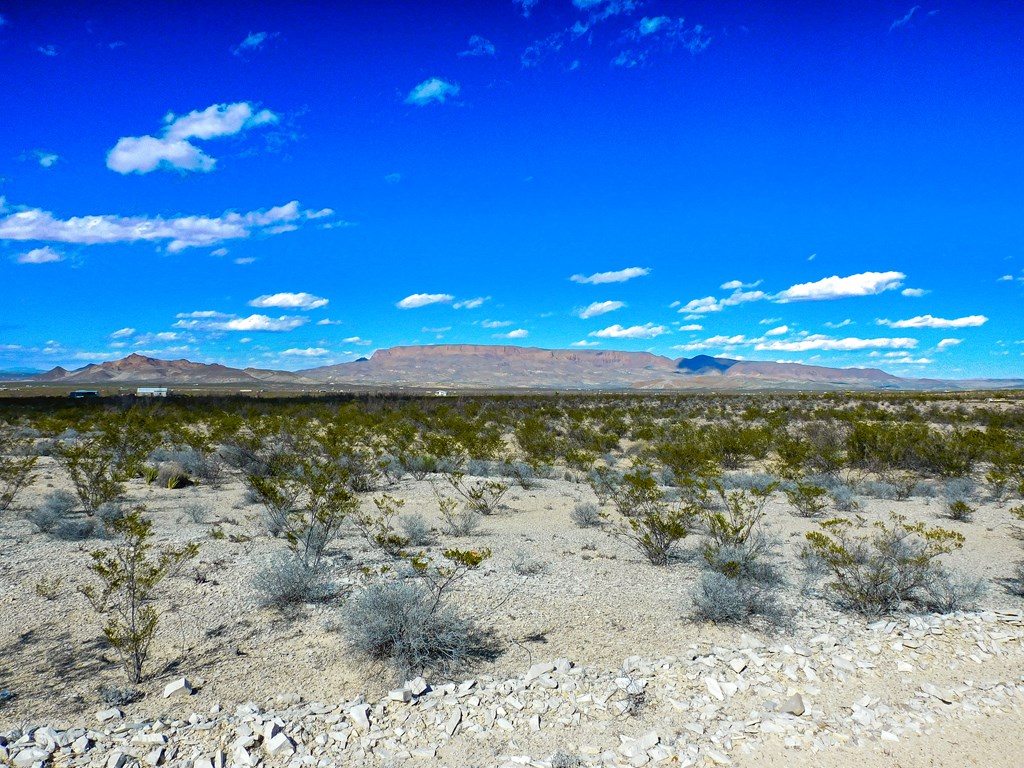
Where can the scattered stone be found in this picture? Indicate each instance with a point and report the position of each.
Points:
(109, 714)
(794, 705)
(179, 688)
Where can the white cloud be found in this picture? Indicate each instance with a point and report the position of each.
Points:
(260, 323)
(496, 323)
(253, 42)
(143, 154)
(715, 342)
(48, 50)
(289, 301)
(123, 333)
(835, 287)
(423, 299)
(478, 46)
(44, 158)
(840, 324)
(585, 343)
(359, 342)
(393, 178)
(182, 232)
(911, 361)
(247, 260)
(915, 293)
(205, 314)
(307, 352)
(905, 19)
(44, 255)
(600, 308)
(701, 306)
(692, 327)
(948, 343)
(818, 341)
(434, 89)
(780, 331)
(927, 321)
(768, 320)
(1004, 278)
(646, 331)
(619, 276)
(735, 285)
(650, 25)
(518, 333)
(219, 252)
(327, 321)
(526, 5)
(471, 303)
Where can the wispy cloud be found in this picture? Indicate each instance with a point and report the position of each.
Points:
(471, 303)
(927, 321)
(253, 42)
(691, 327)
(585, 343)
(821, 342)
(478, 46)
(646, 331)
(660, 34)
(417, 300)
(840, 324)
(600, 308)
(735, 285)
(526, 6)
(835, 287)
(518, 333)
(180, 232)
(359, 342)
(948, 343)
(905, 19)
(123, 333)
(289, 301)
(43, 157)
(261, 323)
(915, 293)
(434, 89)
(495, 323)
(711, 304)
(174, 148)
(48, 50)
(44, 255)
(782, 330)
(619, 276)
(715, 342)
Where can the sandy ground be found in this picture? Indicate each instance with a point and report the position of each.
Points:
(595, 601)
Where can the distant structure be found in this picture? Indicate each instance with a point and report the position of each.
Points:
(441, 393)
(81, 394)
(151, 392)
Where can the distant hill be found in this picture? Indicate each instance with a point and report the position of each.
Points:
(469, 366)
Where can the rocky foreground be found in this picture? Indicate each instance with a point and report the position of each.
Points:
(851, 684)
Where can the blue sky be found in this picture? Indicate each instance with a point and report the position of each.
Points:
(289, 185)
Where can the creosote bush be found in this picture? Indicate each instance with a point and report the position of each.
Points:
(883, 567)
(17, 463)
(649, 521)
(128, 578)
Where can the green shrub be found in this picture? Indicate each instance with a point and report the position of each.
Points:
(650, 522)
(16, 466)
(93, 471)
(807, 499)
(128, 579)
(883, 567)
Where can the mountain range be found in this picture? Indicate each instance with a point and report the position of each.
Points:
(491, 367)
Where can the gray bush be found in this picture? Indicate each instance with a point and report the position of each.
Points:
(747, 481)
(521, 472)
(56, 507)
(287, 581)
(197, 511)
(958, 494)
(722, 600)
(462, 522)
(525, 564)
(877, 489)
(951, 591)
(586, 515)
(416, 529)
(399, 623)
(843, 498)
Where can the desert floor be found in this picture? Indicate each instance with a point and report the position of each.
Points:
(907, 691)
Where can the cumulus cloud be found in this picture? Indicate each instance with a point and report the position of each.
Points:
(585, 343)
(518, 333)
(782, 330)
(735, 285)
(915, 293)
(948, 343)
(423, 299)
(471, 303)
(478, 46)
(253, 42)
(434, 89)
(835, 287)
(645, 331)
(307, 352)
(711, 304)
(261, 323)
(328, 321)
(179, 232)
(715, 342)
(44, 158)
(692, 327)
(123, 333)
(619, 276)
(819, 341)
(600, 308)
(44, 255)
(359, 342)
(927, 321)
(174, 149)
(289, 301)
